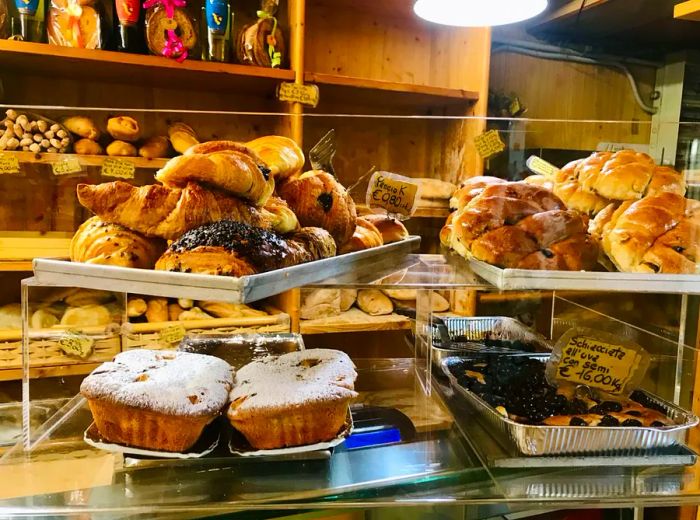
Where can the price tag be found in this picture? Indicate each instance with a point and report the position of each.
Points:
(118, 168)
(74, 343)
(489, 144)
(394, 193)
(598, 360)
(295, 93)
(9, 164)
(66, 166)
(539, 166)
(173, 334)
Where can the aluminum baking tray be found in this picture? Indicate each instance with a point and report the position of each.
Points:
(567, 440)
(467, 335)
(244, 289)
(523, 279)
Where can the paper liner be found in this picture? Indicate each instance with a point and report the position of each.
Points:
(239, 446)
(206, 443)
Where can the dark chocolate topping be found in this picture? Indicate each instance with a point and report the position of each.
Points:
(326, 201)
(261, 247)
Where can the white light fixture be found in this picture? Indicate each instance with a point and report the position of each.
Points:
(478, 13)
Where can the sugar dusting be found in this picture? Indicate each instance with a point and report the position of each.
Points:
(175, 383)
(293, 380)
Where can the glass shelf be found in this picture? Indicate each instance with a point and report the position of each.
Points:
(61, 475)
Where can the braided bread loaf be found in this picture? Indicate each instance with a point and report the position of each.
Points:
(518, 225)
(658, 234)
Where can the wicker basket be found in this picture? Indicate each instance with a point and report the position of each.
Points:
(47, 351)
(168, 334)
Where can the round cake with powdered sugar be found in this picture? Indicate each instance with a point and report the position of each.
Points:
(294, 399)
(155, 399)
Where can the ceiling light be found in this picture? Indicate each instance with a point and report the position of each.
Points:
(478, 13)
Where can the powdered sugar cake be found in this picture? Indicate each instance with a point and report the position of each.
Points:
(294, 399)
(157, 400)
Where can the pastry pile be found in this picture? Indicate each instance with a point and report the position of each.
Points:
(226, 208)
(619, 204)
(163, 400)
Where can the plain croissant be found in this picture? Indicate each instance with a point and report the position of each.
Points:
(159, 211)
(232, 171)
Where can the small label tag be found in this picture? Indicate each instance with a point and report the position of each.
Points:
(540, 166)
(394, 193)
(294, 93)
(118, 168)
(595, 359)
(9, 164)
(489, 144)
(67, 166)
(74, 343)
(173, 334)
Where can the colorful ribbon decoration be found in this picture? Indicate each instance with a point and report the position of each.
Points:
(173, 48)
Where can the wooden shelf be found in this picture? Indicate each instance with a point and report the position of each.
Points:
(15, 265)
(85, 160)
(118, 67)
(355, 320)
(361, 91)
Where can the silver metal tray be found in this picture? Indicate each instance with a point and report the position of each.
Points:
(560, 440)
(475, 330)
(244, 289)
(523, 279)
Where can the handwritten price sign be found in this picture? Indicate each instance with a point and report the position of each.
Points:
(73, 343)
(118, 168)
(394, 193)
(67, 166)
(489, 144)
(586, 357)
(295, 93)
(9, 164)
(173, 334)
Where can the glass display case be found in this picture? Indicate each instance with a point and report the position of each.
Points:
(416, 441)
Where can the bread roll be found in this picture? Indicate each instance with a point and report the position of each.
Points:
(123, 128)
(136, 307)
(155, 147)
(121, 149)
(157, 310)
(401, 294)
(82, 126)
(319, 200)
(43, 319)
(366, 236)
(347, 298)
(391, 229)
(87, 147)
(374, 302)
(86, 316)
(182, 137)
(174, 311)
(195, 313)
(320, 303)
(82, 297)
(438, 303)
(11, 316)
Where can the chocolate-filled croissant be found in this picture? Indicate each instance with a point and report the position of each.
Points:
(235, 249)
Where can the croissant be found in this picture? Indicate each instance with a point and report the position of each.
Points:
(658, 234)
(232, 171)
(319, 200)
(159, 211)
(519, 225)
(281, 154)
(283, 219)
(97, 242)
(235, 249)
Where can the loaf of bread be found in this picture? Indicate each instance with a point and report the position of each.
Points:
(123, 128)
(295, 399)
(235, 249)
(155, 147)
(319, 200)
(519, 225)
(98, 242)
(658, 234)
(320, 303)
(374, 302)
(159, 211)
(157, 400)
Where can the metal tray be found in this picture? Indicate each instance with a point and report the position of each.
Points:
(244, 289)
(567, 440)
(476, 330)
(522, 279)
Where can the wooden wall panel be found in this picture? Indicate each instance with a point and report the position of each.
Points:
(560, 90)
